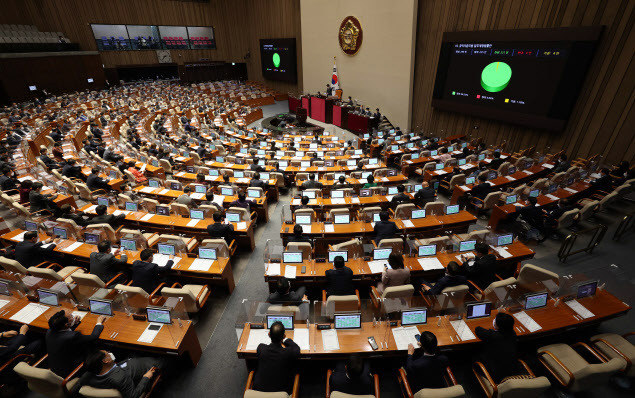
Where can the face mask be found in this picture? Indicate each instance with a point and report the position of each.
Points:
(494, 324)
(112, 356)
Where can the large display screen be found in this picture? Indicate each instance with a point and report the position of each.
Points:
(278, 59)
(528, 77)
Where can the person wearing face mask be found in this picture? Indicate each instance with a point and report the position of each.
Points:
(131, 377)
(451, 278)
(66, 347)
(499, 351)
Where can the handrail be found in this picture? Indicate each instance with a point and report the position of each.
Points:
(566, 249)
(627, 224)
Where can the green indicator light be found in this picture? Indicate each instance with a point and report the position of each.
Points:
(496, 76)
(276, 60)
(453, 92)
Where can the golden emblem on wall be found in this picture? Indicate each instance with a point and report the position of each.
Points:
(350, 35)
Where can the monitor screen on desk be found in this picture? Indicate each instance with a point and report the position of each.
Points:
(373, 161)
(153, 184)
(286, 320)
(92, 239)
(100, 307)
(416, 188)
(197, 214)
(417, 214)
(434, 153)
(159, 315)
(348, 321)
(470, 180)
(534, 193)
(467, 246)
(309, 194)
(233, 217)
(365, 174)
(253, 193)
(481, 156)
(264, 176)
(510, 200)
(427, 250)
(163, 210)
(213, 172)
(305, 163)
(504, 240)
(166, 249)
(392, 191)
(207, 253)
(414, 156)
(283, 164)
(227, 191)
(376, 217)
(511, 170)
(586, 289)
(351, 163)
(60, 232)
(4, 287)
(200, 188)
(176, 186)
(342, 218)
(337, 194)
(292, 257)
(381, 254)
(335, 253)
(462, 162)
(132, 206)
(239, 174)
(479, 310)
(414, 317)
(112, 174)
(48, 297)
(536, 300)
(155, 163)
(30, 226)
(439, 166)
(452, 209)
(365, 192)
(128, 244)
(303, 219)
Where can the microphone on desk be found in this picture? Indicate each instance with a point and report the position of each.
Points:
(556, 303)
(601, 287)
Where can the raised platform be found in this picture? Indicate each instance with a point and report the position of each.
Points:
(287, 122)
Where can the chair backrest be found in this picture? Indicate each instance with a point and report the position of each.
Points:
(588, 209)
(567, 218)
(188, 297)
(456, 289)
(45, 273)
(607, 200)
(84, 192)
(167, 167)
(180, 209)
(244, 212)
(530, 273)
(150, 205)
(494, 285)
(395, 243)
(403, 291)
(337, 394)
(39, 380)
(107, 229)
(260, 394)
(523, 388)
(491, 200)
(456, 391)
(439, 241)
(404, 210)
(335, 212)
(353, 246)
(305, 212)
(12, 266)
(503, 169)
(87, 280)
(434, 207)
(458, 179)
(304, 247)
(131, 289)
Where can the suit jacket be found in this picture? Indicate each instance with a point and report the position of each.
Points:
(393, 277)
(426, 371)
(446, 281)
(12, 346)
(30, 254)
(604, 183)
(257, 167)
(482, 271)
(562, 166)
(219, 230)
(481, 190)
(106, 266)
(364, 385)
(496, 163)
(293, 297)
(95, 182)
(533, 215)
(425, 195)
(38, 201)
(50, 163)
(110, 219)
(400, 198)
(67, 349)
(126, 377)
(257, 183)
(7, 183)
(385, 230)
(146, 275)
(339, 282)
(499, 353)
(309, 184)
(276, 366)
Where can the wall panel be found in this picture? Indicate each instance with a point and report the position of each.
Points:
(602, 120)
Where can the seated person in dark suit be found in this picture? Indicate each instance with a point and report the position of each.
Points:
(339, 280)
(298, 235)
(105, 264)
(15, 343)
(256, 166)
(562, 164)
(242, 201)
(551, 218)
(145, 273)
(352, 377)
(40, 201)
(311, 183)
(257, 182)
(482, 269)
(401, 196)
(67, 211)
(48, 162)
(341, 183)
(218, 230)
(103, 218)
(276, 362)
(604, 183)
(385, 229)
(95, 182)
(451, 278)
(66, 348)
(304, 203)
(426, 370)
(499, 351)
(482, 189)
(425, 195)
(8, 180)
(496, 162)
(533, 215)
(131, 377)
(30, 253)
(284, 294)
(71, 170)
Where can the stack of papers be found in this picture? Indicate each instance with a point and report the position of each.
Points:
(257, 337)
(148, 335)
(118, 212)
(552, 197)
(197, 195)
(571, 190)
(29, 313)
(580, 309)
(20, 237)
(510, 178)
(527, 172)
(219, 199)
(547, 165)
(376, 266)
(408, 224)
(430, 263)
(297, 202)
(192, 223)
(306, 229)
(389, 197)
(290, 271)
(273, 269)
(404, 336)
(91, 209)
(301, 338)
(3, 303)
(330, 341)
(163, 191)
(201, 264)
(147, 217)
(72, 247)
(338, 201)
(464, 187)
(241, 225)
(329, 228)
(527, 321)
(462, 330)
(503, 252)
(162, 260)
(147, 190)
(355, 200)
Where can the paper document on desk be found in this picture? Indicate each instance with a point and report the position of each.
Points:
(547, 165)
(376, 266)
(297, 202)
(163, 191)
(552, 197)
(301, 338)
(30, 280)
(192, 223)
(242, 180)
(19, 237)
(147, 190)
(257, 337)
(273, 269)
(527, 321)
(487, 160)
(490, 183)
(503, 252)
(197, 195)
(408, 224)
(162, 259)
(359, 181)
(329, 228)
(510, 178)
(329, 340)
(290, 271)
(73, 246)
(3, 303)
(464, 187)
(241, 225)
(580, 309)
(527, 172)
(465, 166)
(571, 190)
(44, 246)
(439, 172)
(462, 330)
(148, 335)
(80, 314)
(404, 336)
(29, 313)
(201, 264)
(147, 217)
(118, 212)
(338, 201)
(355, 200)
(389, 197)
(219, 199)
(91, 209)
(430, 263)
(181, 173)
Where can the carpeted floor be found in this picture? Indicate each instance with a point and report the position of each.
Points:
(221, 374)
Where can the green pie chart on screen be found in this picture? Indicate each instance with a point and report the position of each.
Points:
(495, 76)
(276, 60)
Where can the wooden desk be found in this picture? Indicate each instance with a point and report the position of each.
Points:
(271, 190)
(553, 320)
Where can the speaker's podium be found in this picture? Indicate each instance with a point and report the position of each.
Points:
(301, 115)
(322, 109)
